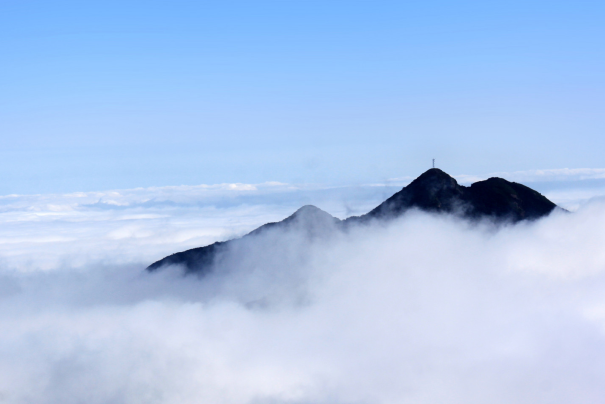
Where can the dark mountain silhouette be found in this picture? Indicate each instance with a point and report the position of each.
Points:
(434, 191)
(308, 222)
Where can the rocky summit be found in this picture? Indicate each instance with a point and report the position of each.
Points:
(434, 191)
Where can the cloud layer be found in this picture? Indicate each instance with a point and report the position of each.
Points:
(428, 309)
(145, 224)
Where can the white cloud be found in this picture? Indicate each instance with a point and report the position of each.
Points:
(144, 224)
(425, 310)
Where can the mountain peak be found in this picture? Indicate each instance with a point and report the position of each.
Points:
(309, 213)
(433, 174)
(309, 210)
(434, 180)
(436, 191)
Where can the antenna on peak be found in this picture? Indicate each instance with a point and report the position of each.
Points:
(433, 163)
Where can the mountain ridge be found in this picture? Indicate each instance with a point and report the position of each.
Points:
(436, 191)
(433, 191)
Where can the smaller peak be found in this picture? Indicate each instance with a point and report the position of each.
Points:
(308, 209)
(310, 213)
(491, 182)
(495, 180)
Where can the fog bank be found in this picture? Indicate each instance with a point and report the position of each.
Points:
(427, 309)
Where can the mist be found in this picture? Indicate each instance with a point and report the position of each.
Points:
(426, 309)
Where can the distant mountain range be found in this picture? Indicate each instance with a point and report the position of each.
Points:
(434, 191)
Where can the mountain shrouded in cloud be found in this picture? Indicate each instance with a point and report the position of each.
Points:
(421, 308)
(434, 191)
(376, 314)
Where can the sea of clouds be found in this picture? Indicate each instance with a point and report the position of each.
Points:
(426, 309)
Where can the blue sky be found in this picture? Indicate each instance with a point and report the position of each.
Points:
(106, 95)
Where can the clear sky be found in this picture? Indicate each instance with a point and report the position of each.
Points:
(121, 94)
